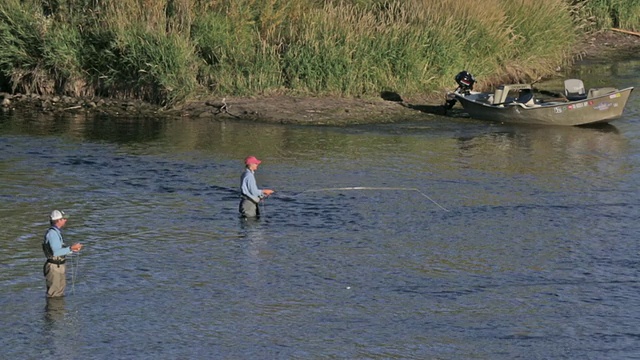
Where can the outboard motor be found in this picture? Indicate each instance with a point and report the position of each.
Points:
(465, 82)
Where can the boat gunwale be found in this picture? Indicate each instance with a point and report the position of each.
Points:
(538, 106)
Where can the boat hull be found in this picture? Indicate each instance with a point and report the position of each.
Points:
(599, 109)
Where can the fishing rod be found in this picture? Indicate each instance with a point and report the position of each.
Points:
(376, 188)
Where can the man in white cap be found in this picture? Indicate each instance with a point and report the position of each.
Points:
(55, 251)
(249, 191)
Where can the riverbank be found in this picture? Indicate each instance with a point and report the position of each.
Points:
(387, 108)
(286, 109)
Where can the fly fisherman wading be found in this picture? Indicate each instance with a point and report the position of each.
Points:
(249, 192)
(55, 251)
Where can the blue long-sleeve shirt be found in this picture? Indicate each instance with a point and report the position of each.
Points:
(248, 186)
(53, 240)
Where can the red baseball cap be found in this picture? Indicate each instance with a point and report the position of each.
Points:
(251, 160)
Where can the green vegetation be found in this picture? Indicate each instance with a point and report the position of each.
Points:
(605, 14)
(168, 51)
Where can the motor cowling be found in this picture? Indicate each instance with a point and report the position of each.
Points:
(465, 81)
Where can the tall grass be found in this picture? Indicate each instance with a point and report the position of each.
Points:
(22, 49)
(536, 48)
(605, 14)
(146, 48)
(233, 44)
(419, 45)
(168, 51)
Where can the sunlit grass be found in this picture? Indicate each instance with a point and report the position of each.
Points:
(605, 14)
(168, 51)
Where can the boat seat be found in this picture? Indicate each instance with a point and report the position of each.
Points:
(574, 90)
(525, 98)
(595, 92)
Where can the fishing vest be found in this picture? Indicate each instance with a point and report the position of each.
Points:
(48, 252)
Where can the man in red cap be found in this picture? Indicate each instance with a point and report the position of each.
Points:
(249, 191)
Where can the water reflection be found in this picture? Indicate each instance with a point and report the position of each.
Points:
(86, 127)
(252, 230)
(55, 311)
(57, 329)
(539, 150)
(61, 336)
(123, 130)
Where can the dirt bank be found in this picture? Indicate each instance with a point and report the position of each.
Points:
(609, 43)
(387, 107)
(310, 110)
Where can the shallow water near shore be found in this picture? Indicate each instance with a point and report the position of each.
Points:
(445, 238)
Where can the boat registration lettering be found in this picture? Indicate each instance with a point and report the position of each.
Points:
(613, 96)
(580, 105)
(603, 106)
(559, 109)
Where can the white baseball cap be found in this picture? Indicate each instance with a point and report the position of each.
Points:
(57, 215)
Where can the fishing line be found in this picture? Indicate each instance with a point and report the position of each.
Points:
(263, 213)
(129, 235)
(377, 188)
(74, 272)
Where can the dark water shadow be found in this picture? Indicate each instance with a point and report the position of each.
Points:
(428, 109)
(603, 128)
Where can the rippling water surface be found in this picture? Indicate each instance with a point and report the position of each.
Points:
(447, 238)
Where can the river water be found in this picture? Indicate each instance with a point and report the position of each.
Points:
(441, 239)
